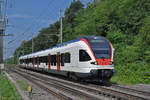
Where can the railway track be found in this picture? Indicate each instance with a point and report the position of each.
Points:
(93, 92)
(34, 81)
(130, 90)
(119, 87)
(37, 80)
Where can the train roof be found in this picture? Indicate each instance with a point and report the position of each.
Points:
(65, 43)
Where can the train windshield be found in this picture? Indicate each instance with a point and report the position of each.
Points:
(101, 48)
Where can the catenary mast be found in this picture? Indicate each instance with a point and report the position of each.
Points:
(2, 29)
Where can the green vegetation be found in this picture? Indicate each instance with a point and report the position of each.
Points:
(126, 23)
(23, 84)
(11, 61)
(7, 89)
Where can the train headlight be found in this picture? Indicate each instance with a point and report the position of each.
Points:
(94, 63)
(111, 63)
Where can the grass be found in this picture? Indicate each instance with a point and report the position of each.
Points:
(23, 84)
(8, 90)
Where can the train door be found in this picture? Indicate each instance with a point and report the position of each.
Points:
(37, 62)
(58, 61)
(49, 61)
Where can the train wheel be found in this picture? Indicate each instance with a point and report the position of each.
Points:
(73, 77)
(68, 75)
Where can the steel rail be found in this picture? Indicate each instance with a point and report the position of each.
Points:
(101, 90)
(119, 87)
(113, 93)
(58, 95)
(76, 92)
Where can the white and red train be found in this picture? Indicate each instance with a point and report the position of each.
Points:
(87, 58)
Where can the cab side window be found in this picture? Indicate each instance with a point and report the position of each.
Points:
(67, 57)
(83, 56)
(62, 59)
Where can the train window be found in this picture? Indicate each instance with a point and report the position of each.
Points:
(35, 60)
(24, 61)
(55, 60)
(62, 59)
(27, 61)
(31, 60)
(43, 59)
(20, 61)
(84, 56)
(67, 57)
(40, 60)
(52, 59)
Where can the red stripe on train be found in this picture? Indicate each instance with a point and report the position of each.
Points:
(99, 61)
(84, 40)
(111, 49)
(37, 62)
(49, 61)
(58, 61)
(106, 61)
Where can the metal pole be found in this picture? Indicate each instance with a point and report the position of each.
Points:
(1, 51)
(1, 37)
(18, 58)
(23, 44)
(23, 48)
(32, 43)
(61, 28)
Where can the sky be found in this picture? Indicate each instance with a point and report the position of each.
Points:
(27, 17)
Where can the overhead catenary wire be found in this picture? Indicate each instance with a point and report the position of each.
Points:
(52, 13)
(36, 25)
(47, 11)
(60, 31)
(31, 27)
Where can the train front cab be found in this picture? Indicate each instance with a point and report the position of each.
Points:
(96, 57)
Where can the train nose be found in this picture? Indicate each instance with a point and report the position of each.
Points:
(102, 73)
(94, 72)
(107, 73)
(104, 61)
